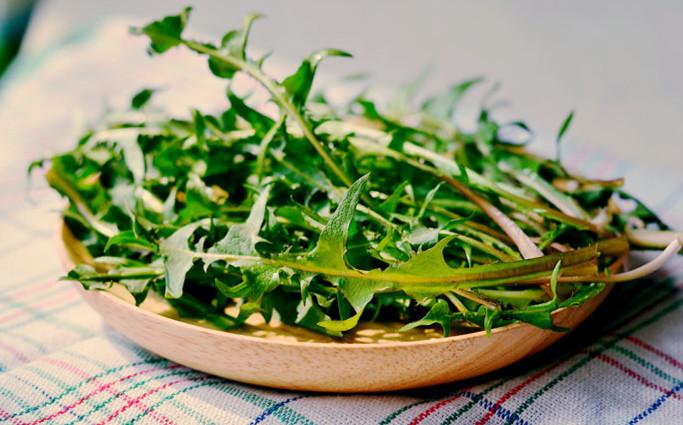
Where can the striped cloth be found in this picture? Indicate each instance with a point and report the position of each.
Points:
(59, 363)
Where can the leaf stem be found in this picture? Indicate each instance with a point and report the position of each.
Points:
(264, 145)
(526, 247)
(492, 272)
(280, 98)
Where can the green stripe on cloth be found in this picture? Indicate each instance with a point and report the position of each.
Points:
(625, 315)
(286, 415)
(148, 359)
(473, 402)
(604, 346)
(97, 408)
(48, 316)
(644, 363)
(395, 414)
(69, 389)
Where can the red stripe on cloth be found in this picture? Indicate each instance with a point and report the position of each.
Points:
(18, 293)
(499, 403)
(16, 353)
(4, 414)
(644, 345)
(104, 387)
(137, 400)
(425, 414)
(635, 375)
(49, 303)
(85, 375)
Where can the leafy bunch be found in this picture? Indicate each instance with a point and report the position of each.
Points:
(330, 215)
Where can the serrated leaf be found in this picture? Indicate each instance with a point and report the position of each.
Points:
(142, 176)
(241, 238)
(359, 292)
(233, 43)
(430, 261)
(167, 32)
(309, 315)
(332, 241)
(178, 259)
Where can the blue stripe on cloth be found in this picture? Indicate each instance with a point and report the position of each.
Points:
(656, 405)
(272, 409)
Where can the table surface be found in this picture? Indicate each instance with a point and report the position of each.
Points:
(60, 364)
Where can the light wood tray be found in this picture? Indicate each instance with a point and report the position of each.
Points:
(376, 358)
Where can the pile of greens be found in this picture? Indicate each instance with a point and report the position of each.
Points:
(330, 215)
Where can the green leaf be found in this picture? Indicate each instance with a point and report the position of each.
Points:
(199, 126)
(241, 238)
(233, 43)
(540, 319)
(443, 105)
(178, 259)
(490, 318)
(359, 292)
(223, 69)
(641, 211)
(429, 262)
(560, 134)
(132, 153)
(309, 315)
(428, 199)
(554, 277)
(332, 241)
(262, 205)
(165, 33)
(341, 325)
(389, 205)
(141, 98)
(129, 239)
(298, 85)
(261, 279)
(261, 123)
(246, 29)
(583, 294)
(236, 291)
(518, 298)
(439, 313)
(331, 248)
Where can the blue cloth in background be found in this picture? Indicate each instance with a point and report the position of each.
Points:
(15, 16)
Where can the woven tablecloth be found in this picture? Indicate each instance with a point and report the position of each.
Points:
(59, 363)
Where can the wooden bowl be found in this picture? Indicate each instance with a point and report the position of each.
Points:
(375, 359)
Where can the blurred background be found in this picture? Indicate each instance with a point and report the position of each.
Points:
(619, 65)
